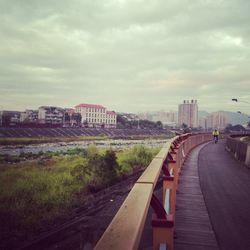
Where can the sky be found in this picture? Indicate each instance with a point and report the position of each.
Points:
(128, 55)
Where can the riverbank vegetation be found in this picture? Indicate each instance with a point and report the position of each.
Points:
(41, 189)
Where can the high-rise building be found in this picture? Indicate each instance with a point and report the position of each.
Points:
(217, 120)
(202, 122)
(188, 113)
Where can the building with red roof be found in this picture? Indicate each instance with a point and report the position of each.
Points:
(94, 115)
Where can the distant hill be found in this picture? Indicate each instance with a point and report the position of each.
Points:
(234, 118)
(202, 114)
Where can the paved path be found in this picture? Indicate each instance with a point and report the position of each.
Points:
(193, 227)
(225, 185)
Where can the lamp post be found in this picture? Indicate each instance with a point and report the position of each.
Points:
(237, 100)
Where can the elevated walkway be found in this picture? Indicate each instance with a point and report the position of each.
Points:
(192, 223)
(211, 208)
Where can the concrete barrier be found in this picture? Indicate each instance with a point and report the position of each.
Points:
(240, 149)
(247, 160)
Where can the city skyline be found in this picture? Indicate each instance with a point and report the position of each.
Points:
(131, 56)
(153, 111)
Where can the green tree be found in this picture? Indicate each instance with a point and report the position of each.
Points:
(159, 124)
(102, 168)
(185, 128)
(77, 118)
(66, 117)
(109, 166)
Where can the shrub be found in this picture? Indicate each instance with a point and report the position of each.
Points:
(109, 167)
(137, 157)
(75, 151)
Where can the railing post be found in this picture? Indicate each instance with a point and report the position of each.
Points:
(182, 153)
(189, 143)
(170, 179)
(169, 184)
(163, 226)
(163, 234)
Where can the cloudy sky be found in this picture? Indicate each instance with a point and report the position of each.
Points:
(129, 55)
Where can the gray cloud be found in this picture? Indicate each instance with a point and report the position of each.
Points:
(129, 55)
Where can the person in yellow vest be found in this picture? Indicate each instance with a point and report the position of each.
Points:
(216, 135)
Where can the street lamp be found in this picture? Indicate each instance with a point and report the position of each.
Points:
(236, 100)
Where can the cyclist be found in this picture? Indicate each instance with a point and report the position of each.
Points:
(216, 135)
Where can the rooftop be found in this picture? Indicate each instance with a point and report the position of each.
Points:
(111, 113)
(84, 105)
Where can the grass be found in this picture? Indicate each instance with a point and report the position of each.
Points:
(33, 193)
(37, 191)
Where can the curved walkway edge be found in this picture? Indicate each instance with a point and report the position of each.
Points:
(193, 228)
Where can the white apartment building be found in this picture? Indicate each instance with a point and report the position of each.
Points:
(188, 113)
(50, 115)
(96, 115)
(29, 116)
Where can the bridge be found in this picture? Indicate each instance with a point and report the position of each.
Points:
(204, 201)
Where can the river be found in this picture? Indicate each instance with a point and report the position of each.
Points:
(64, 146)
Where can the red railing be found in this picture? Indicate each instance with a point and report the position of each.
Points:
(125, 230)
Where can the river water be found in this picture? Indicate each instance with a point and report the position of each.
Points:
(64, 146)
